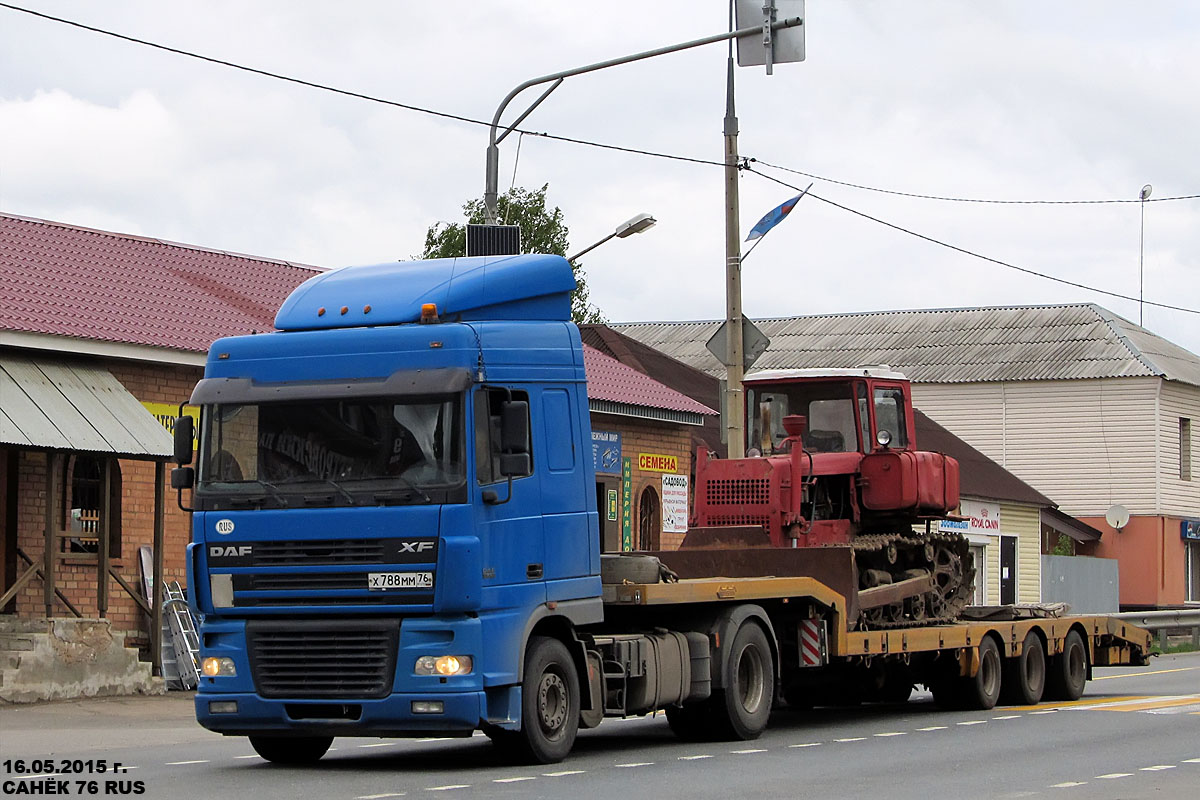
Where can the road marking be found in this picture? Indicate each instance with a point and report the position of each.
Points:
(447, 788)
(252, 756)
(1135, 674)
(1068, 784)
(893, 733)
(934, 728)
(1010, 716)
(746, 752)
(379, 796)
(1157, 767)
(385, 744)
(1077, 703)
(1112, 775)
(693, 758)
(806, 744)
(634, 764)
(1191, 761)
(852, 739)
(562, 773)
(435, 739)
(516, 780)
(1039, 713)
(1145, 703)
(181, 763)
(972, 722)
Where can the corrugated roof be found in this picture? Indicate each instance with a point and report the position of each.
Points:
(63, 406)
(69, 281)
(963, 345)
(611, 381)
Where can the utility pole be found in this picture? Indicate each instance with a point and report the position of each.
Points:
(735, 396)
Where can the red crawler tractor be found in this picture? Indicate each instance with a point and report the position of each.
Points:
(832, 461)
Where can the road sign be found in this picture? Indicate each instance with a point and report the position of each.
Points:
(754, 343)
(772, 47)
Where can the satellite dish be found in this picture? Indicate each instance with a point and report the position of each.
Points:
(1117, 517)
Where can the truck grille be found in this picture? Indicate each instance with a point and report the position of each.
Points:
(317, 659)
(301, 553)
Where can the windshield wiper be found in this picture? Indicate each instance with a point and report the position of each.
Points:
(317, 479)
(408, 486)
(271, 488)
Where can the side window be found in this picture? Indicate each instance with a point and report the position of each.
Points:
(864, 419)
(488, 405)
(889, 415)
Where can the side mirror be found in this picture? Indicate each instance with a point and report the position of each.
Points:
(514, 427)
(183, 478)
(184, 434)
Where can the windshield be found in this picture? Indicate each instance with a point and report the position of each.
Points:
(828, 408)
(332, 452)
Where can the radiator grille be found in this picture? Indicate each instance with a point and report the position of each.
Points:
(738, 491)
(302, 553)
(319, 659)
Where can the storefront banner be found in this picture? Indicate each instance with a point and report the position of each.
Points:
(674, 503)
(606, 452)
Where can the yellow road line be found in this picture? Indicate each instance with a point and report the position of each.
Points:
(1178, 701)
(1137, 674)
(1070, 703)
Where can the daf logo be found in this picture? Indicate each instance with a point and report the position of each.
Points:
(415, 547)
(224, 526)
(229, 551)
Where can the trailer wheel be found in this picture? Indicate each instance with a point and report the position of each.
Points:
(1025, 675)
(740, 710)
(549, 703)
(981, 692)
(1067, 674)
(291, 750)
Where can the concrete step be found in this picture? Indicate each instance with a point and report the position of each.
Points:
(15, 641)
(9, 660)
(11, 624)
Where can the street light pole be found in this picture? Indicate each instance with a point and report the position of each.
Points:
(492, 178)
(629, 227)
(735, 396)
(1145, 195)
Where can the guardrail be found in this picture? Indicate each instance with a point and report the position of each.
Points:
(1165, 621)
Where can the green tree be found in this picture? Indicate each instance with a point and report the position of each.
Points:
(542, 231)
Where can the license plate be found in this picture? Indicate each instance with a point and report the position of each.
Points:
(383, 581)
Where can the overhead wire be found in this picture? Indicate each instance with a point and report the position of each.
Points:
(965, 251)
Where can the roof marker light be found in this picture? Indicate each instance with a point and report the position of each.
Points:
(429, 313)
(366, 309)
(321, 311)
(345, 309)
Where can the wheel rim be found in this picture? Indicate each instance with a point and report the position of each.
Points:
(989, 668)
(1075, 667)
(553, 704)
(750, 684)
(1035, 669)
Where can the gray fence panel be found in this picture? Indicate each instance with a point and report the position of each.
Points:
(1090, 585)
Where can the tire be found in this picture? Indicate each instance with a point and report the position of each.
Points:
(549, 704)
(741, 709)
(291, 750)
(1025, 675)
(981, 692)
(1067, 672)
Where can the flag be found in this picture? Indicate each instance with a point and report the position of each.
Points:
(774, 217)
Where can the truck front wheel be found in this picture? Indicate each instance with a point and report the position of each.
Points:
(291, 750)
(549, 702)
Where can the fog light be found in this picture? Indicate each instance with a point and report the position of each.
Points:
(443, 665)
(427, 706)
(214, 667)
(222, 707)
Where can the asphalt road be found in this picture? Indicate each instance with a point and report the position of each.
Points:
(1135, 733)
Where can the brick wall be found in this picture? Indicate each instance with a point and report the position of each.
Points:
(647, 436)
(77, 577)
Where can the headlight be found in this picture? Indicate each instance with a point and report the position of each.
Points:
(884, 438)
(443, 665)
(214, 667)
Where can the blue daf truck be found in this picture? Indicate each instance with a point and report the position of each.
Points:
(395, 534)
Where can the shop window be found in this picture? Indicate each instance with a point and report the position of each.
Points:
(1193, 572)
(649, 519)
(86, 505)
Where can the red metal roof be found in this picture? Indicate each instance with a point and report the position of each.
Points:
(70, 281)
(609, 379)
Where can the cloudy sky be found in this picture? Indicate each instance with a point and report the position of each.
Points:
(1005, 100)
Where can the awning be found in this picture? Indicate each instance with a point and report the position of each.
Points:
(60, 405)
(1067, 525)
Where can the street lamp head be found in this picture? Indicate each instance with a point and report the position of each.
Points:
(1146, 190)
(636, 225)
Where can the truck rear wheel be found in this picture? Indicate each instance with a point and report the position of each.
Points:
(549, 703)
(1025, 675)
(1067, 673)
(740, 710)
(981, 692)
(291, 750)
